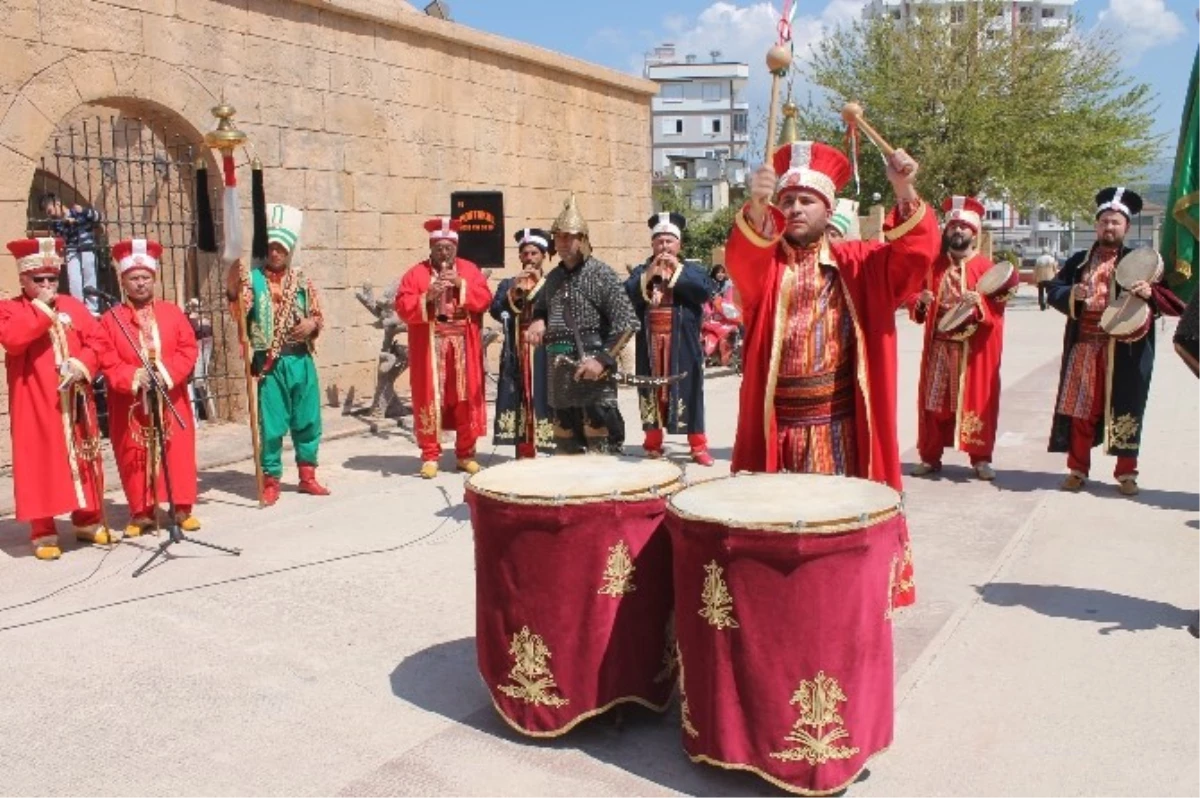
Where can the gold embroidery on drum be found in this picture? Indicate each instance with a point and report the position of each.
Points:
(1122, 431)
(718, 603)
(544, 433)
(685, 713)
(530, 671)
(972, 425)
(893, 575)
(818, 702)
(618, 571)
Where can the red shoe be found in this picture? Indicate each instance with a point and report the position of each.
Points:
(702, 457)
(308, 481)
(270, 493)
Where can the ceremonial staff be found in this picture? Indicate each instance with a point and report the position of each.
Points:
(226, 139)
(779, 60)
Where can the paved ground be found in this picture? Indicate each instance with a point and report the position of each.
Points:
(1046, 655)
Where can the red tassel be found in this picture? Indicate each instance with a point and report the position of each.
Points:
(230, 171)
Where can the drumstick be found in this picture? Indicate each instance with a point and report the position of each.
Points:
(779, 59)
(852, 113)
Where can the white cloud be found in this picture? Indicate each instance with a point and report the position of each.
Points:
(1141, 24)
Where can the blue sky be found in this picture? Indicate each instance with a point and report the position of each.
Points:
(1158, 37)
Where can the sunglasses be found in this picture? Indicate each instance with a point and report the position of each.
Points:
(45, 278)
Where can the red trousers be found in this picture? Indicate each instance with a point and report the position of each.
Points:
(454, 407)
(1083, 431)
(698, 441)
(84, 516)
(526, 451)
(935, 432)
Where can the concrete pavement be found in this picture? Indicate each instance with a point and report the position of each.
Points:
(1046, 653)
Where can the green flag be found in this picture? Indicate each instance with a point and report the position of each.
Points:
(1182, 218)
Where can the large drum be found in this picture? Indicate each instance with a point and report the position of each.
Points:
(573, 587)
(785, 587)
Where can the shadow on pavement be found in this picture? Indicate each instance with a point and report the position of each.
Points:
(236, 483)
(1119, 613)
(444, 679)
(1025, 481)
(389, 465)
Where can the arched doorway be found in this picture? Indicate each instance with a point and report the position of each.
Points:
(134, 162)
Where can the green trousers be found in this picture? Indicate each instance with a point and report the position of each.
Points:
(289, 400)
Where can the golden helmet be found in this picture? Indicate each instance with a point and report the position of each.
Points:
(570, 220)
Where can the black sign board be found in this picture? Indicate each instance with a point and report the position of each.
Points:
(481, 233)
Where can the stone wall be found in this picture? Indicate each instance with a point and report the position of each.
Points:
(366, 114)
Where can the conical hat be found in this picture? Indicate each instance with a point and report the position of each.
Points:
(283, 227)
(570, 220)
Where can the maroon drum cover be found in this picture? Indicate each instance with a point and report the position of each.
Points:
(785, 588)
(573, 587)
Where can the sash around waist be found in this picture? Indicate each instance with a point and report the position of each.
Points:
(815, 398)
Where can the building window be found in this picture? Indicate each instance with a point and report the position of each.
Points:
(715, 125)
(895, 13)
(741, 122)
(958, 15)
(710, 91)
(1044, 215)
(1047, 13)
(702, 198)
(672, 126)
(1023, 219)
(995, 216)
(1025, 15)
(671, 91)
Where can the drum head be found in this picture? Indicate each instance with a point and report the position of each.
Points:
(788, 502)
(995, 278)
(957, 318)
(1142, 264)
(1126, 317)
(576, 478)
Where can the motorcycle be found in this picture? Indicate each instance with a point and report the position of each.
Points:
(721, 334)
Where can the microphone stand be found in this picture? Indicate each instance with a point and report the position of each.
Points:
(174, 533)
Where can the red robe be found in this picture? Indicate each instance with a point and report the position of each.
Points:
(413, 308)
(127, 416)
(978, 377)
(875, 279)
(48, 479)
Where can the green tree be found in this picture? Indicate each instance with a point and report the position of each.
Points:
(1042, 116)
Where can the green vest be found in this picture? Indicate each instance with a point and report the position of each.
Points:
(260, 319)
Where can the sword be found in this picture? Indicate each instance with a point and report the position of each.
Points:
(628, 379)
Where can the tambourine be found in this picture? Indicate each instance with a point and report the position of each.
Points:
(1141, 265)
(1127, 319)
(960, 321)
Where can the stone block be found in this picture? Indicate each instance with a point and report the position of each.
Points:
(358, 230)
(230, 15)
(285, 185)
(24, 129)
(359, 76)
(53, 92)
(358, 116)
(365, 155)
(19, 20)
(93, 75)
(400, 48)
(403, 158)
(177, 41)
(22, 60)
(308, 149)
(265, 141)
(166, 8)
(380, 193)
(320, 229)
(283, 20)
(340, 33)
(286, 63)
(328, 190)
(18, 172)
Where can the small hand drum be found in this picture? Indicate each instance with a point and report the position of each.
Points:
(960, 321)
(1000, 278)
(1141, 265)
(1127, 319)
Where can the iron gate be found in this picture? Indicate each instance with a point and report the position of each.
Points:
(140, 177)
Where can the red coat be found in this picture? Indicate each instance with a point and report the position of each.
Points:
(46, 475)
(412, 306)
(876, 279)
(979, 375)
(176, 358)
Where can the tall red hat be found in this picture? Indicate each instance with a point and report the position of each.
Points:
(814, 166)
(37, 254)
(967, 210)
(442, 228)
(137, 253)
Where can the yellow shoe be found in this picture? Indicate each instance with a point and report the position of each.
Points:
(469, 465)
(46, 548)
(137, 526)
(188, 523)
(94, 534)
(429, 470)
(1073, 483)
(1128, 486)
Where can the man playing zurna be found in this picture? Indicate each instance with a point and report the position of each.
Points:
(669, 295)
(283, 319)
(162, 333)
(50, 356)
(442, 300)
(523, 415)
(959, 393)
